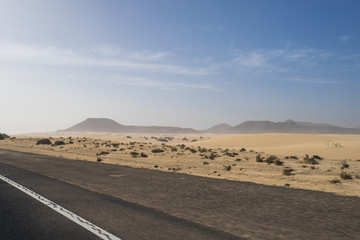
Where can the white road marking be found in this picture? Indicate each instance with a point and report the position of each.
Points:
(66, 213)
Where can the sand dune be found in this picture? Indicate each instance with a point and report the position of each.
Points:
(331, 146)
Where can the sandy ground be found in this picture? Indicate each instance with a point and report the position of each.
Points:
(231, 157)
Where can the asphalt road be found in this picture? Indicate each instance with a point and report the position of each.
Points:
(147, 204)
(25, 218)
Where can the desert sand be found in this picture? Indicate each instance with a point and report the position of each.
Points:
(232, 157)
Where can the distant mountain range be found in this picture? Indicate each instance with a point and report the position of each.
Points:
(106, 125)
(110, 126)
(288, 126)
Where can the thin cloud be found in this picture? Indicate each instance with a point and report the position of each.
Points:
(107, 51)
(280, 60)
(316, 80)
(148, 82)
(148, 56)
(344, 38)
(63, 57)
(252, 60)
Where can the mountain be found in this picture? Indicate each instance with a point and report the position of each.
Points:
(106, 125)
(288, 126)
(220, 128)
(97, 125)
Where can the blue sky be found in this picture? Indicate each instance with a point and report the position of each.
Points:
(181, 63)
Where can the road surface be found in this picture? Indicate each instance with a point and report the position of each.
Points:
(147, 204)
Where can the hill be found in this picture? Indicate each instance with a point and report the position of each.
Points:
(288, 126)
(220, 128)
(106, 125)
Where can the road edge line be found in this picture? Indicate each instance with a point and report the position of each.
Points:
(103, 234)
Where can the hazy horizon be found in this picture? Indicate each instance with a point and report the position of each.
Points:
(185, 64)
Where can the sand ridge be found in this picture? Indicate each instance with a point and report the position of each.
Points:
(231, 157)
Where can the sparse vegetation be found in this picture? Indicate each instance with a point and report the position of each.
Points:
(102, 153)
(311, 160)
(344, 164)
(227, 167)
(58, 143)
(229, 154)
(190, 149)
(134, 154)
(345, 175)
(44, 141)
(157, 150)
(4, 136)
(334, 181)
(115, 145)
(213, 156)
(162, 140)
(278, 162)
(317, 157)
(202, 159)
(333, 144)
(271, 159)
(288, 171)
(259, 158)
